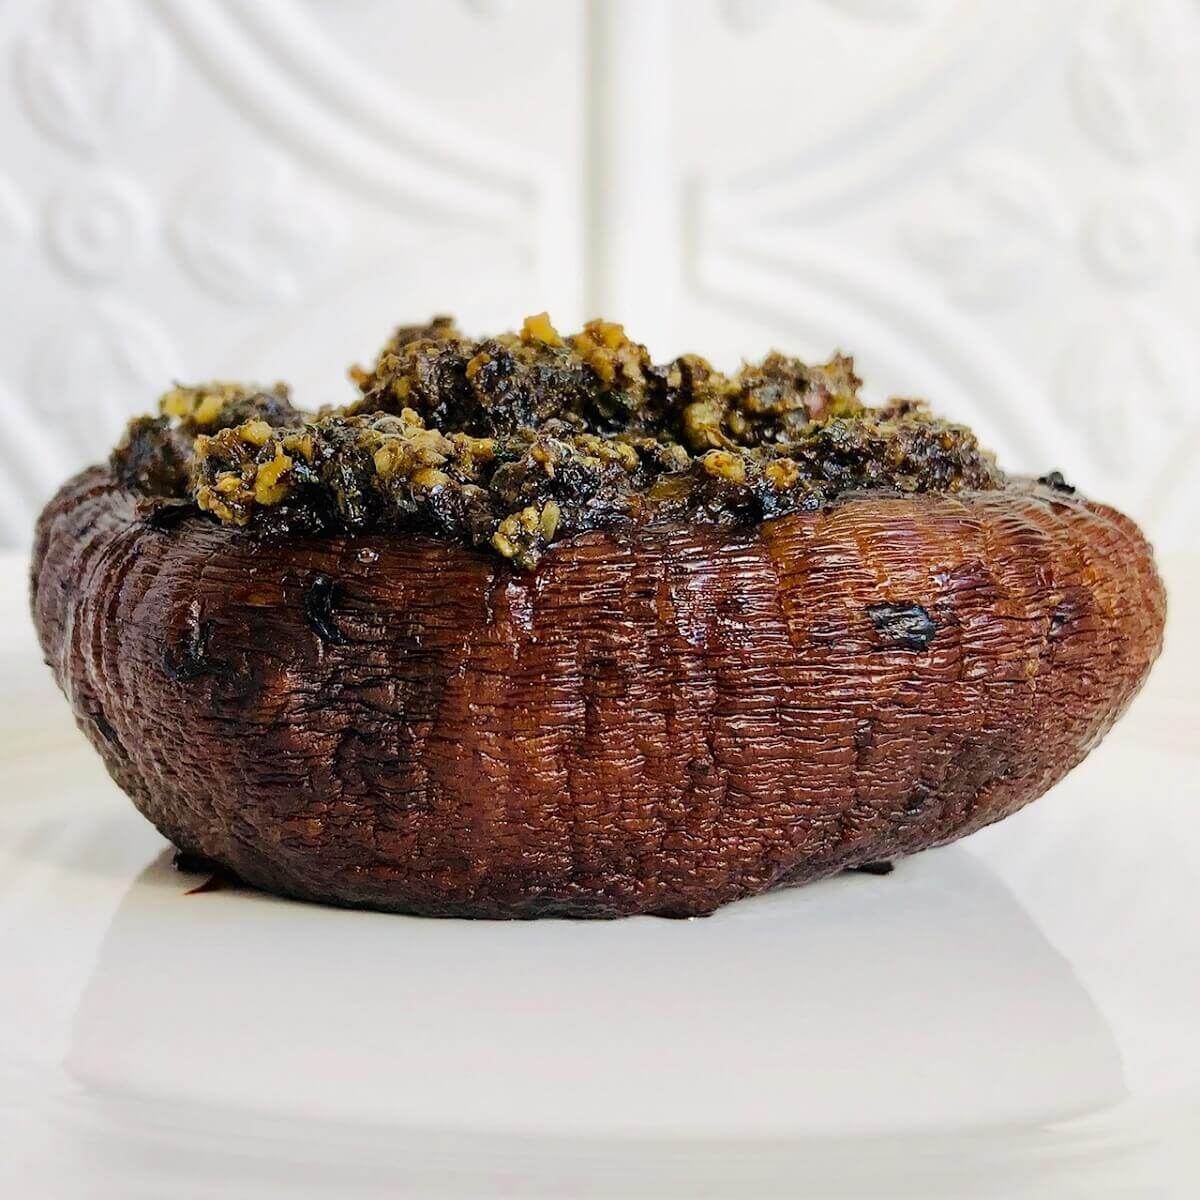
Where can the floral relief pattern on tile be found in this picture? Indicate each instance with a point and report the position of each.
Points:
(253, 231)
(1126, 382)
(1134, 77)
(16, 223)
(988, 230)
(98, 225)
(1135, 235)
(97, 367)
(93, 72)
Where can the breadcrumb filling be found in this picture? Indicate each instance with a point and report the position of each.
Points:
(511, 443)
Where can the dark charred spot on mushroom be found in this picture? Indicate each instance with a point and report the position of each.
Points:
(319, 599)
(908, 626)
(1074, 604)
(916, 800)
(1055, 481)
(864, 735)
(188, 657)
(164, 515)
(883, 867)
(106, 731)
(236, 685)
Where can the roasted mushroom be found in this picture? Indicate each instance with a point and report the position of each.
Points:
(535, 626)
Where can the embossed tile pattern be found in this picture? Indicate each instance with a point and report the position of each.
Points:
(992, 203)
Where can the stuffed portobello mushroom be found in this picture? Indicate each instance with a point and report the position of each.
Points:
(536, 626)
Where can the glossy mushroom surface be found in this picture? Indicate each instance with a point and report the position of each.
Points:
(657, 719)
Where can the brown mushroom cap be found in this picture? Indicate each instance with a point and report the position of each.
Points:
(657, 719)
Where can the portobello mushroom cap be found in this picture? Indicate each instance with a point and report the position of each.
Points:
(658, 721)
(658, 718)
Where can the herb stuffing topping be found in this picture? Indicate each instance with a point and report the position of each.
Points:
(513, 442)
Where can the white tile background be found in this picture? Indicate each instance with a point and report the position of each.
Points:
(992, 203)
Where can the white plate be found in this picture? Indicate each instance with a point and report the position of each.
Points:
(1012, 1016)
